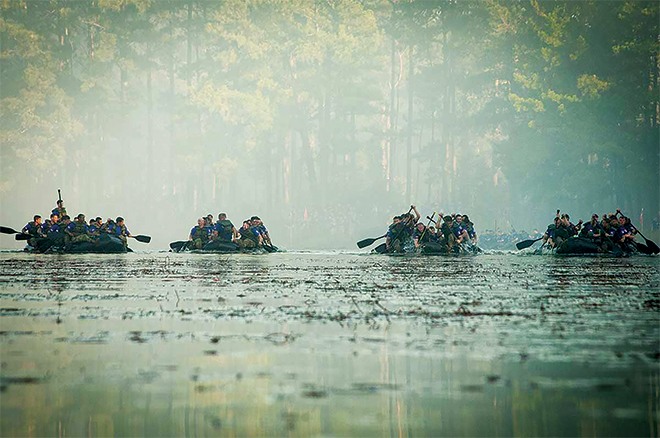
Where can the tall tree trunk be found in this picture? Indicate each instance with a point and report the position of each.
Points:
(150, 136)
(308, 158)
(411, 72)
(189, 27)
(172, 110)
(391, 152)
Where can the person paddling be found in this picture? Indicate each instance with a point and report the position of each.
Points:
(199, 235)
(34, 229)
(59, 210)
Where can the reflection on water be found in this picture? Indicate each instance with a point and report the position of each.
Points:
(328, 344)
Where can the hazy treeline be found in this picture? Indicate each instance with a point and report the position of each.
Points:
(326, 117)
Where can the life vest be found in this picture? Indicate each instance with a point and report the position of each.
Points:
(79, 228)
(251, 234)
(224, 228)
(200, 233)
(61, 212)
(31, 229)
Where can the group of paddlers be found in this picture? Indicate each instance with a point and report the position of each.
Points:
(610, 232)
(447, 234)
(59, 230)
(451, 233)
(208, 234)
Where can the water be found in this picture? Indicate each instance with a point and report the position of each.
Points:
(332, 344)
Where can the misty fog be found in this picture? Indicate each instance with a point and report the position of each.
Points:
(326, 118)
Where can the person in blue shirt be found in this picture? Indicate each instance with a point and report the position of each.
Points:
(259, 225)
(421, 235)
(34, 229)
(45, 228)
(550, 234)
(60, 210)
(56, 232)
(459, 231)
(76, 231)
(120, 231)
(209, 225)
(94, 227)
(199, 235)
(224, 229)
(250, 235)
(469, 227)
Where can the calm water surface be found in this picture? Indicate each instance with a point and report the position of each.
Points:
(328, 344)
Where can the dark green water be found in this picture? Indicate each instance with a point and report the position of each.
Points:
(328, 344)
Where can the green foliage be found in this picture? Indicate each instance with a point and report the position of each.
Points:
(535, 91)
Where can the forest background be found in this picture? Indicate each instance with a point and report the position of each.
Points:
(327, 117)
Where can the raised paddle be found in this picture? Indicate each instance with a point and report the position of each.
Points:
(527, 243)
(427, 226)
(142, 238)
(651, 244)
(367, 242)
(382, 248)
(22, 236)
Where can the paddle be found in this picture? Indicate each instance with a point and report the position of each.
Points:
(379, 249)
(642, 248)
(540, 250)
(7, 230)
(142, 238)
(651, 244)
(367, 242)
(382, 248)
(527, 243)
(427, 226)
(19, 235)
(179, 245)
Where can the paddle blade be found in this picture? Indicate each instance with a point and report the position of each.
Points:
(178, 245)
(652, 246)
(22, 236)
(7, 230)
(642, 248)
(525, 243)
(380, 249)
(143, 239)
(365, 242)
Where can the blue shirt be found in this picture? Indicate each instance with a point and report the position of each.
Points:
(458, 230)
(551, 231)
(118, 231)
(193, 229)
(224, 232)
(29, 227)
